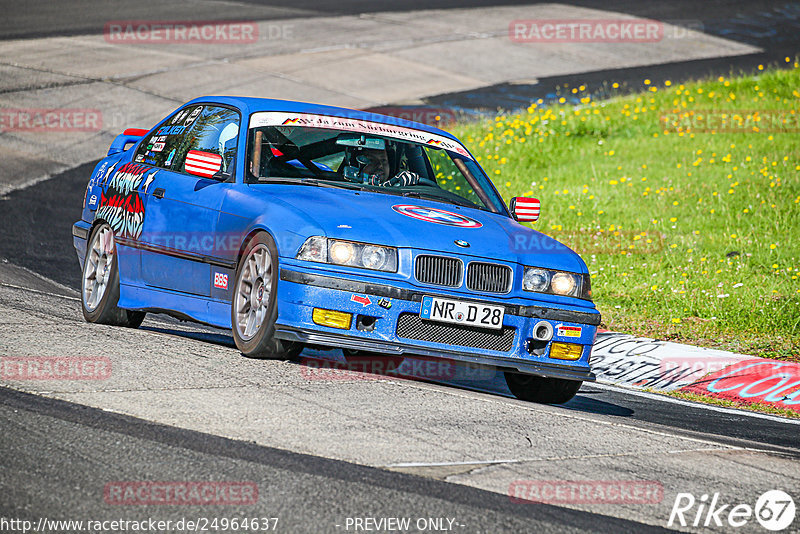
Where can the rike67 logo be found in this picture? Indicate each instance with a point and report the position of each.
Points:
(774, 510)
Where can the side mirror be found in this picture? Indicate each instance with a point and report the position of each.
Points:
(203, 164)
(525, 209)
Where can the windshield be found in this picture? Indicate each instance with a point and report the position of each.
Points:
(380, 163)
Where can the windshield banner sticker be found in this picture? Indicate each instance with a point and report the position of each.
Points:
(275, 118)
(435, 215)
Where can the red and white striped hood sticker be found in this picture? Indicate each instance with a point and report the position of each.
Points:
(203, 163)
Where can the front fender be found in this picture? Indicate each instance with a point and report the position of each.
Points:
(244, 213)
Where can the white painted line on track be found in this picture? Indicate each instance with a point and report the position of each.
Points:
(573, 457)
(711, 407)
(443, 464)
(48, 293)
(557, 411)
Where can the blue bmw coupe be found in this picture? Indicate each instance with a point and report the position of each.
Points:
(295, 224)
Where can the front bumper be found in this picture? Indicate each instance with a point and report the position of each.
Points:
(299, 292)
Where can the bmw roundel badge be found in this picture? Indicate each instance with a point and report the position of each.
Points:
(461, 243)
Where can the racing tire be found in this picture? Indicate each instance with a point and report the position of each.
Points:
(540, 389)
(100, 282)
(254, 307)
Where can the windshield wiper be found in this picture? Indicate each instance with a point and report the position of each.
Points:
(314, 182)
(446, 200)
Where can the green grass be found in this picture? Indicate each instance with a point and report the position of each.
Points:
(689, 235)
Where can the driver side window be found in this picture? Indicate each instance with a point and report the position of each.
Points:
(215, 131)
(160, 148)
(211, 129)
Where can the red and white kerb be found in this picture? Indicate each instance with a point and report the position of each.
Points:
(527, 208)
(203, 163)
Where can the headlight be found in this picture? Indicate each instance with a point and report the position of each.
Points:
(556, 283)
(314, 249)
(536, 280)
(564, 284)
(342, 252)
(352, 254)
(374, 257)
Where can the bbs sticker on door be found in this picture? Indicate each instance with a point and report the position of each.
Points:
(459, 312)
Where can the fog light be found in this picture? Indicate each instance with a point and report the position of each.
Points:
(333, 319)
(566, 351)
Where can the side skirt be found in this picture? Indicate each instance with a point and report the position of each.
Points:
(195, 308)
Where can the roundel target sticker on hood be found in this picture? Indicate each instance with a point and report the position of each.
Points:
(435, 215)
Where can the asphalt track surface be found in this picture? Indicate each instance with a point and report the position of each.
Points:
(772, 25)
(57, 455)
(86, 447)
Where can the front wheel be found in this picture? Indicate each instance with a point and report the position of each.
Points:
(254, 308)
(543, 390)
(100, 282)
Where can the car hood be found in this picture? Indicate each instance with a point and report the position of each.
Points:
(408, 222)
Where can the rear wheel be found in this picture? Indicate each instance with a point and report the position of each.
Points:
(543, 390)
(254, 308)
(100, 282)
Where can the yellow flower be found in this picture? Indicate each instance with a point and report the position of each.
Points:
(676, 321)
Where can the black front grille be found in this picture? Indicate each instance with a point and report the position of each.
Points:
(410, 326)
(439, 270)
(489, 277)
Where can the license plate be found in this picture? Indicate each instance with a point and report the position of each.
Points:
(458, 312)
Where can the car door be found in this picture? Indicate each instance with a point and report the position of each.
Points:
(195, 155)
